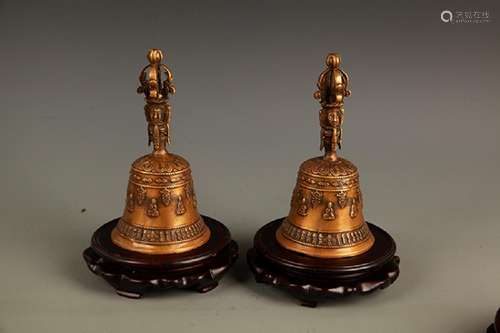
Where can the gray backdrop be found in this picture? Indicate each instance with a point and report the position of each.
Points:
(422, 125)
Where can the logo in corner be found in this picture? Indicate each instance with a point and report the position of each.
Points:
(468, 16)
(446, 16)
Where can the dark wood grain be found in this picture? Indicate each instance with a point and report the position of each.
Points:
(133, 273)
(313, 279)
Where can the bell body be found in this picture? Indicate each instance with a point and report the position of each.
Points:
(326, 214)
(160, 216)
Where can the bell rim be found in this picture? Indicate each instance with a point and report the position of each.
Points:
(381, 252)
(219, 238)
(324, 252)
(167, 248)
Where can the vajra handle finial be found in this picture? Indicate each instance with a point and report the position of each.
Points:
(156, 83)
(332, 88)
(151, 77)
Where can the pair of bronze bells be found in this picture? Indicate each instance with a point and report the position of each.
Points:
(323, 248)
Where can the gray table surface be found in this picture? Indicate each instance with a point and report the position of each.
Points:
(422, 125)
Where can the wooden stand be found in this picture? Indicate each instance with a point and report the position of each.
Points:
(133, 273)
(495, 327)
(313, 279)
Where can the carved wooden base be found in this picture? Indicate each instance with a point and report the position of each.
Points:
(131, 274)
(313, 279)
(495, 327)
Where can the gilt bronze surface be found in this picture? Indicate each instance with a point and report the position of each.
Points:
(324, 248)
(160, 214)
(326, 211)
(161, 241)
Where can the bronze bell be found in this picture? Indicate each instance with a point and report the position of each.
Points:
(326, 214)
(160, 215)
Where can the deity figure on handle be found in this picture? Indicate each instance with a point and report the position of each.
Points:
(157, 85)
(332, 88)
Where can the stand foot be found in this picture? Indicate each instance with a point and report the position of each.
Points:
(311, 279)
(132, 274)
